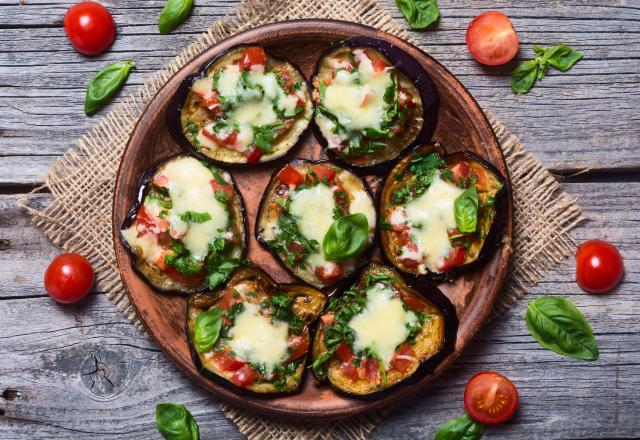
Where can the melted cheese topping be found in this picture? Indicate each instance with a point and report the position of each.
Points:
(382, 325)
(256, 338)
(361, 204)
(313, 208)
(434, 214)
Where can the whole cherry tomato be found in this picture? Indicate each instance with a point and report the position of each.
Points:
(491, 39)
(90, 27)
(599, 266)
(68, 278)
(490, 397)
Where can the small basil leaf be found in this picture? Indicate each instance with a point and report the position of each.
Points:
(465, 210)
(221, 272)
(558, 325)
(419, 13)
(207, 329)
(105, 84)
(460, 428)
(195, 217)
(175, 422)
(562, 57)
(524, 76)
(173, 13)
(346, 237)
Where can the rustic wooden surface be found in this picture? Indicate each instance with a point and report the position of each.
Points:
(85, 372)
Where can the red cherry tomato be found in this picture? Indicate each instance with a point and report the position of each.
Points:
(455, 258)
(253, 155)
(490, 397)
(328, 273)
(68, 278)
(491, 38)
(227, 362)
(245, 376)
(599, 266)
(289, 176)
(90, 27)
(252, 56)
(324, 172)
(298, 345)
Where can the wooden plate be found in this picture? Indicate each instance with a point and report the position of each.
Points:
(461, 126)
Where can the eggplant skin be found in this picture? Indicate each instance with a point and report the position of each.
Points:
(187, 108)
(394, 146)
(267, 223)
(433, 342)
(491, 221)
(307, 305)
(157, 278)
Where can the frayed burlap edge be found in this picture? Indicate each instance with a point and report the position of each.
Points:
(81, 183)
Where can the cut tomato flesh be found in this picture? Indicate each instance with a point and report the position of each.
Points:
(379, 65)
(324, 172)
(228, 141)
(217, 186)
(298, 346)
(329, 272)
(344, 352)
(410, 300)
(289, 176)
(229, 299)
(227, 362)
(402, 359)
(245, 376)
(297, 249)
(371, 369)
(252, 56)
(460, 171)
(210, 100)
(327, 319)
(491, 39)
(253, 155)
(456, 257)
(349, 370)
(490, 397)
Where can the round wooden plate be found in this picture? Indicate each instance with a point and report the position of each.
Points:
(461, 126)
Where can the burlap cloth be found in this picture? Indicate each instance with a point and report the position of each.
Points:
(81, 182)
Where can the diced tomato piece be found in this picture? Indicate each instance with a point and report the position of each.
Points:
(371, 369)
(245, 376)
(285, 77)
(252, 56)
(226, 321)
(297, 249)
(327, 319)
(324, 172)
(456, 257)
(460, 171)
(329, 272)
(227, 362)
(344, 352)
(211, 100)
(289, 176)
(181, 279)
(161, 181)
(400, 360)
(228, 141)
(480, 176)
(349, 370)
(412, 301)
(298, 345)
(217, 186)
(229, 299)
(403, 237)
(160, 260)
(253, 155)
(410, 262)
(379, 65)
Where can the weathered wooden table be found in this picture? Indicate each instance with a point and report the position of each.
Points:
(85, 372)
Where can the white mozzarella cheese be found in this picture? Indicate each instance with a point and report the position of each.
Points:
(146, 244)
(361, 203)
(228, 81)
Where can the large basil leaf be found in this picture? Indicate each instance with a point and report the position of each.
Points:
(460, 428)
(465, 209)
(558, 325)
(207, 329)
(419, 13)
(524, 76)
(562, 57)
(173, 13)
(346, 237)
(105, 84)
(175, 422)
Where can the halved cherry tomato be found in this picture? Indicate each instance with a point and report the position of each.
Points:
(490, 397)
(252, 56)
(227, 362)
(324, 172)
(371, 369)
(289, 176)
(599, 266)
(245, 376)
(229, 299)
(68, 278)
(227, 141)
(217, 186)
(412, 301)
(460, 171)
(90, 28)
(329, 272)
(491, 39)
(349, 370)
(298, 345)
(211, 100)
(344, 353)
(456, 257)
(253, 155)
(400, 359)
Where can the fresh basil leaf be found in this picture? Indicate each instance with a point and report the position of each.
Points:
(525, 76)
(173, 14)
(419, 13)
(460, 428)
(175, 422)
(195, 217)
(465, 210)
(207, 329)
(219, 274)
(561, 57)
(558, 325)
(346, 237)
(105, 84)
(186, 265)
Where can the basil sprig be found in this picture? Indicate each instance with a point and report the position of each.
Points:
(105, 84)
(559, 57)
(419, 13)
(175, 422)
(558, 325)
(346, 237)
(207, 329)
(460, 428)
(465, 209)
(173, 14)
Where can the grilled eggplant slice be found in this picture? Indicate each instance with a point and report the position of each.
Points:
(369, 111)
(246, 107)
(379, 333)
(254, 333)
(441, 214)
(187, 231)
(318, 220)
